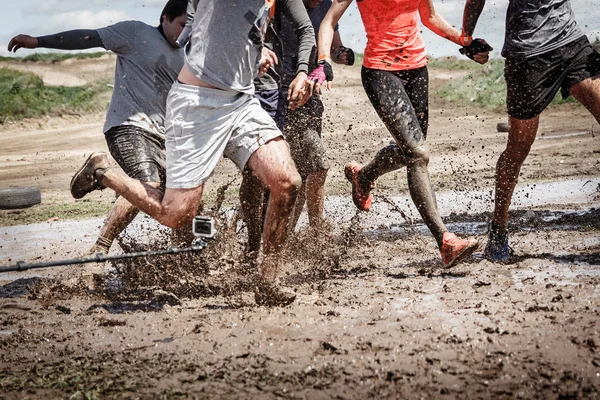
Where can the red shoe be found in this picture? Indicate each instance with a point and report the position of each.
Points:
(455, 249)
(361, 197)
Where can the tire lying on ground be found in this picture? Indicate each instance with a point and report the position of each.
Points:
(19, 197)
(502, 127)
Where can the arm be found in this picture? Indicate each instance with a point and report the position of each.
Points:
(78, 39)
(296, 14)
(473, 9)
(437, 24)
(338, 57)
(327, 29)
(301, 88)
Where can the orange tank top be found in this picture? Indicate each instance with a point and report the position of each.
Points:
(393, 39)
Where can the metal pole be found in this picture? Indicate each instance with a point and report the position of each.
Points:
(100, 257)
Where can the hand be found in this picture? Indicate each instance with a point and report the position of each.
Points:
(25, 41)
(268, 59)
(345, 55)
(300, 90)
(323, 72)
(478, 51)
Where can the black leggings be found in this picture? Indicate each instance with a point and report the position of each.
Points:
(401, 100)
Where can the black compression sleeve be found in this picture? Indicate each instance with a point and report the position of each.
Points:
(78, 39)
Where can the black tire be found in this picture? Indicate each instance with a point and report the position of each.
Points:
(19, 197)
(502, 127)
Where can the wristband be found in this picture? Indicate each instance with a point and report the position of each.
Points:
(465, 40)
(322, 57)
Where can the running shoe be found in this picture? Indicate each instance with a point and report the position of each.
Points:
(361, 197)
(270, 295)
(455, 249)
(497, 249)
(84, 181)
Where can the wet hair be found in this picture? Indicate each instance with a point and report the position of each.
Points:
(173, 9)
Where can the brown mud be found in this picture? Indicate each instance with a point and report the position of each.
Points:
(376, 315)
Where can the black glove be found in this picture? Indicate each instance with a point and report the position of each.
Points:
(476, 46)
(349, 54)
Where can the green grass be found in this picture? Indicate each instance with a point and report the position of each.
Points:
(482, 86)
(24, 95)
(54, 57)
(54, 208)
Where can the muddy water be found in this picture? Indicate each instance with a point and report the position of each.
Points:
(27, 242)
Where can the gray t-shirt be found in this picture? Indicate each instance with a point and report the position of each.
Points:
(225, 46)
(147, 66)
(536, 27)
(290, 42)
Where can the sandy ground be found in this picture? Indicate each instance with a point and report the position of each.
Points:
(376, 315)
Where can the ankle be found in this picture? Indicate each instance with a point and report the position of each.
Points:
(98, 177)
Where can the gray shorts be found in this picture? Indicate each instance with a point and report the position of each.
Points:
(203, 124)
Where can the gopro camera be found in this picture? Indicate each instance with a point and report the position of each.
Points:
(203, 227)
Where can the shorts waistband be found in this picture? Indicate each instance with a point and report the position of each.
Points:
(207, 92)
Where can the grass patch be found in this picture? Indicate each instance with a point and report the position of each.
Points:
(54, 57)
(47, 210)
(483, 86)
(24, 95)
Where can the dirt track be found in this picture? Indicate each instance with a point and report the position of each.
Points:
(376, 316)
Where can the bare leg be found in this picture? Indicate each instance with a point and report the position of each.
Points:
(521, 135)
(587, 92)
(273, 165)
(174, 208)
(119, 217)
(251, 200)
(315, 197)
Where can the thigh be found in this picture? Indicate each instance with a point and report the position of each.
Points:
(140, 154)
(272, 162)
(416, 84)
(252, 128)
(388, 96)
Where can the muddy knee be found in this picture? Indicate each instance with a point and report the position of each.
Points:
(418, 155)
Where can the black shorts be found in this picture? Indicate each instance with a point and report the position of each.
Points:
(141, 154)
(532, 83)
(303, 132)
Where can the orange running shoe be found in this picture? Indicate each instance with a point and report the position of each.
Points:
(455, 249)
(361, 197)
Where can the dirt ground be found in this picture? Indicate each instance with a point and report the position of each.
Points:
(376, 315)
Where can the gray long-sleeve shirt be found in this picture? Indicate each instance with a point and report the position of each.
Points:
(294, 12)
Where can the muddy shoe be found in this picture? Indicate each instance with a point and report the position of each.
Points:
(361, 197)
(270, 295)
(497, 249)
(455, 249)
(84, 181)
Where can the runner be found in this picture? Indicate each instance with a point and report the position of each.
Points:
(148, 61)
(395, 78)
(545, 51)
(304, 125)
(211, 112)
(253, 196)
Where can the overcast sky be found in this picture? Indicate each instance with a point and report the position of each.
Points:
(40, 17)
